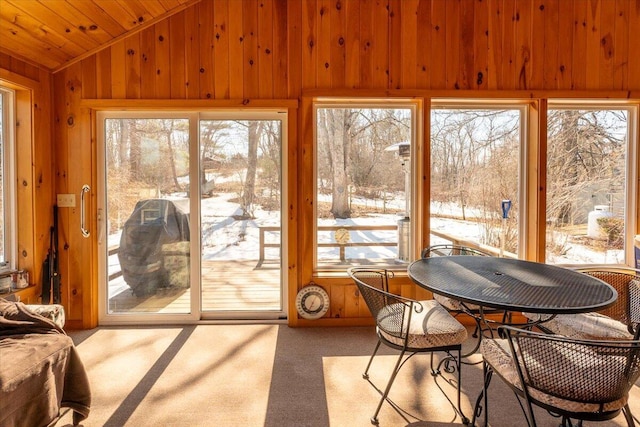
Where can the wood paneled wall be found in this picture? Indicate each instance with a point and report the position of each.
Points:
(34, 168)
(277, 49)
(233, 49)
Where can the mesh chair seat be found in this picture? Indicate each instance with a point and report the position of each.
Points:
(498, 355)
(588, 326)
(617, 322)
(454, 304)
(431, 327)
(573, 378)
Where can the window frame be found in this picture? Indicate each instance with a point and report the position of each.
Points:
(9, 165)
(194, 116)
(533, 133)
(524, 167)
(632, 166)
(416, 106)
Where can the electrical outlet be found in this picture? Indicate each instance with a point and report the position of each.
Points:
(66, 200)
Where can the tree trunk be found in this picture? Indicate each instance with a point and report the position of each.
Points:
(129, 133)
(248, 192)
(339, 126)
(569, 126)
(172, 160)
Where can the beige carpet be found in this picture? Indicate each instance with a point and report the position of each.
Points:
(271, 376)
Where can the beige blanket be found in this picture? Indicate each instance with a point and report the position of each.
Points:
(40, 370)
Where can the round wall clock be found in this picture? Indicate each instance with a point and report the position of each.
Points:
(312, 302)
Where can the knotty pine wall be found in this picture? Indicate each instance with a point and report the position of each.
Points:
(34, 168)
(243, 52)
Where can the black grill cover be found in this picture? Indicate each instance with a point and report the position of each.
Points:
(153, 225)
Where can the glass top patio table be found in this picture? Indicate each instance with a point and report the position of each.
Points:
(512, 284)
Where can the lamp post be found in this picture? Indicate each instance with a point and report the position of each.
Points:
(403, 152)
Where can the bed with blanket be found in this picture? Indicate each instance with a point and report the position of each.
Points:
(40, 370)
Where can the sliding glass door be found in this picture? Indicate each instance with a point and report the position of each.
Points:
(176, 184)
(241, 228)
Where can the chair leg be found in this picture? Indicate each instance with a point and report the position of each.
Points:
(478, 408)
(566, 422)
(366, 371)
(458, 362)
(396, 369)
(628, 416)
(476, 331)
(436, 371)
(531, 419)
(488, 372)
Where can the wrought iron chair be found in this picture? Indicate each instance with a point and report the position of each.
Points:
(620, 321)
(570, 378)
(408, 326)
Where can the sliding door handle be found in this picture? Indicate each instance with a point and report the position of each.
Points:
(83, 228)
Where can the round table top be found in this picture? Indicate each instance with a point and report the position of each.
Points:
(512, 284)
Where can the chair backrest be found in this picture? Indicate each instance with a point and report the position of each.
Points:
(580, 370)
(376, 277)
(451, 249)
(626, 282)
(392, 313)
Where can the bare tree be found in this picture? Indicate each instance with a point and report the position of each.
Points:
(372, 167)
(168, 129)
(255, 128)
(351, 151)
(153, 142)
(132, 136)
(463, 143)
(334, 125)
(270, 147)
(585, 156)
(212, 133)
(474, 166)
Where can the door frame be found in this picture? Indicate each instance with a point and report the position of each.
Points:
(196, 313)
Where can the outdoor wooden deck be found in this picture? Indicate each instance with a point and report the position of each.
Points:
(226, 286)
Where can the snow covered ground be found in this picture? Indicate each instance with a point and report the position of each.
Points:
(225, 243)
(224, 238)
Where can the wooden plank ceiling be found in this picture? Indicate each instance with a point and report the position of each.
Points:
(55, 33)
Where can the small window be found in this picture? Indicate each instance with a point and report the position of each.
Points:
(588, 162)
(363, 181)
(7, 173)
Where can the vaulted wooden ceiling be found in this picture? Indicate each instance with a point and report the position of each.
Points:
(55, 33)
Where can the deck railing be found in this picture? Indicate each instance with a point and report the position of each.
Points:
(341, 244)
(474, 245)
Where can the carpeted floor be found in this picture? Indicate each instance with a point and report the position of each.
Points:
(271, 376)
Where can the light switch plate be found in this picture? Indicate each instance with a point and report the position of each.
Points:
(66, 200)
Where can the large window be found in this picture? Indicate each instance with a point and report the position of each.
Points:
(7, 166)
(588, 164)
(475, 177)
(363, 183)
